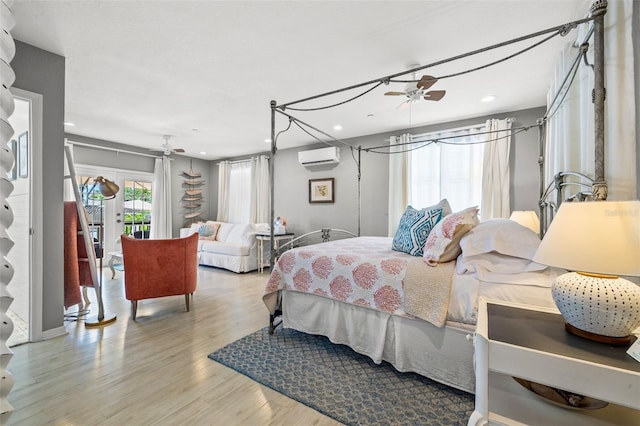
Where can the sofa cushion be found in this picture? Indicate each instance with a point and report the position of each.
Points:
(224, 230)
(241, 234)
(229, 248)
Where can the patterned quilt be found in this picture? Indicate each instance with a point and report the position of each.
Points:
(361, 271)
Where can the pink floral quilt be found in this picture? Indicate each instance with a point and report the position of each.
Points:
(361, 271)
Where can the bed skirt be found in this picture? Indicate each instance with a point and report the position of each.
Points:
(442, 354)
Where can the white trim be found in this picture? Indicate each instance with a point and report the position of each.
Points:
(54, 332)
(36, 278)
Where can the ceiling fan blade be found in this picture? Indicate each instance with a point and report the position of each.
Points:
(178, 150)
(426, 81)
(434, 95)
(395, 94)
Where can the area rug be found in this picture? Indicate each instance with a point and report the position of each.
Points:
(342, 384)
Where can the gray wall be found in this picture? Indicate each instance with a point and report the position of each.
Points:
(42, 72)
(291, 180)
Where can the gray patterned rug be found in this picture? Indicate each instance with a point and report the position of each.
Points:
(342, 384)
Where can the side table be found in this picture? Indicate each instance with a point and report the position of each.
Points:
(277, 240)
(530, 342)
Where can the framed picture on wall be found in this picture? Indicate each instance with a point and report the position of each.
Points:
(13, 146)
(321, 190)
(23, 155)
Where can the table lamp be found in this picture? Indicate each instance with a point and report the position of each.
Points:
(598, 241)
(527, 218)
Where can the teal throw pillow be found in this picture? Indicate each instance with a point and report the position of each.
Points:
(414, 228)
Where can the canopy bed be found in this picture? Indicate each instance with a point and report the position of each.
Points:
(361, 293)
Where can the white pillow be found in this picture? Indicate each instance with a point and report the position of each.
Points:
(240, 234)
(443, 242)
(193, 229)
(496, 262)
(503, 236)
(224, 231)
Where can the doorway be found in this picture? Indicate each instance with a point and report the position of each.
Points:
(26, 284)
(129, 212)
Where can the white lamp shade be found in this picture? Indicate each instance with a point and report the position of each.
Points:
(527, 218)
(601, 237)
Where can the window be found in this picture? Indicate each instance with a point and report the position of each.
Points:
(240, 192)
(243, 190)
(451, 170)
(137, 208)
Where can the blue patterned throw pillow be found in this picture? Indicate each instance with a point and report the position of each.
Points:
(205, 231)
(414, 229)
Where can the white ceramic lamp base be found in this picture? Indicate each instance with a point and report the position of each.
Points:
(598, 308)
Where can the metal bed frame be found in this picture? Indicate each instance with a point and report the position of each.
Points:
(562, 181)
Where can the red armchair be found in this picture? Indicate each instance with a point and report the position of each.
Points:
(159, 268)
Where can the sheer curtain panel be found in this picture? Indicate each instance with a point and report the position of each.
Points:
(223, 192)
(261, 210)
(161, 220)
(570, 130)
(496, 176)
(399, 172)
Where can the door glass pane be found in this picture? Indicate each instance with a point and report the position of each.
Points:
(93, 202)
(137, 208)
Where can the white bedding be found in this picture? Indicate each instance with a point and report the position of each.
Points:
(444, 354)
(466, 289)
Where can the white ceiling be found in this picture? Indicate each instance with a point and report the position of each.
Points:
(205, 71)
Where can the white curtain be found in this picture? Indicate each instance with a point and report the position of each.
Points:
(261, 211)
(243, 191)
(399, 182)
(161, 225)
(223, 192)
(240, 178)
(570, 132)
(495, 170)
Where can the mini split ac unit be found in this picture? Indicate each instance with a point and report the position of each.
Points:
(320, 156)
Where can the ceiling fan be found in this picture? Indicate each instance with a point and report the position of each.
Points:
(167, 148)
(419, 91)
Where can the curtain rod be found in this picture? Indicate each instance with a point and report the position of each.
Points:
(455, 129)
(246, 160)
(88, 145)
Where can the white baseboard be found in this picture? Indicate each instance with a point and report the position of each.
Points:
(54, 332)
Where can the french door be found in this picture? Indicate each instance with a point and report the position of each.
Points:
(128, 213)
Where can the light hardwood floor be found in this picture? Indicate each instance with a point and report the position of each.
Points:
(156, 370)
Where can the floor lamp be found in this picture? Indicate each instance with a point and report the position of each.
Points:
(108, 189)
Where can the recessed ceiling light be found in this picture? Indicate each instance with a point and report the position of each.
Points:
(370, 115)
(267, 140)
(337, 127)
(68, 123)
(488, 98)
(203, 153)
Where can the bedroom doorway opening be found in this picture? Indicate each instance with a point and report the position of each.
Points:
(25, 231)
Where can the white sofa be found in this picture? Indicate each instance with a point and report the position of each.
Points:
(232, 246)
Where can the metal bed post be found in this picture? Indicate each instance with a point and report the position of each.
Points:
(598, 10)
(272, 153)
